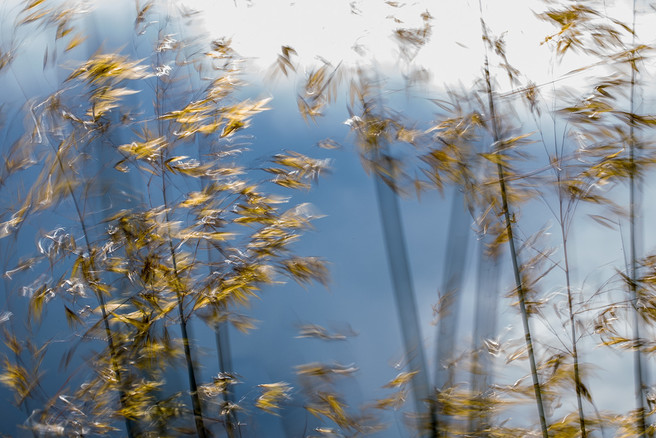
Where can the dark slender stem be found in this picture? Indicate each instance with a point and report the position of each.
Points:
(511, 242)
(193, 386)
(572, 321)
(522, 303)
(222, 338)
(130, 426)
(562, 220)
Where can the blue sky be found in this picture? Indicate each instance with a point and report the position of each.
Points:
(349, 237)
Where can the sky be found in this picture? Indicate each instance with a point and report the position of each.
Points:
(359, 299)
(358, 32)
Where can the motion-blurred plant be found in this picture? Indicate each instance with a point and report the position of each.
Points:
(136, 163)
(195, 235)
(599, 147)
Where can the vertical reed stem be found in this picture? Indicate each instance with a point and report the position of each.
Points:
(511, 242)
(193, 386)
(130, 425)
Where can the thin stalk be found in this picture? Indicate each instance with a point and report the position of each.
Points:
(564, 231)
(511, 242)
(522, 299)
(638, 373)
(222, 339)
(193, 386)
(577, 376)
(130, 425)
